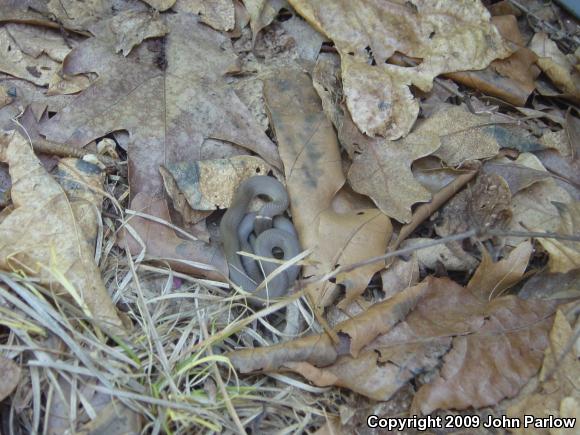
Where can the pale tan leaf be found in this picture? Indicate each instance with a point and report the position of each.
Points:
(491, 279)
(51, 236)
(446, 36)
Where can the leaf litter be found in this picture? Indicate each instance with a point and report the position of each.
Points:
(430, 154)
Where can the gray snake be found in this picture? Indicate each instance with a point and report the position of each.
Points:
(271, 229)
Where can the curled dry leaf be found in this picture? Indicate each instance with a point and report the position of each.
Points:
(207, 185)
(559, 377)
(48, 235)
(377, 94)
(564, 254)
(491, 279)
(9, 377)
(561, 69)
(497, 345)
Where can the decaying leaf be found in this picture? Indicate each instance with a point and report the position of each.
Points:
(564, 254)
(491, 279)
(208, 185)
(497, 345)
(368, 33)
(561, 69)
(9, 377)
(557, 393)
(45, 237)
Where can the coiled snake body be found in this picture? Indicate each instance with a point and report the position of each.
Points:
(272, 231)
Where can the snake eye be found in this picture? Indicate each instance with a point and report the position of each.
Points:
(277, 253)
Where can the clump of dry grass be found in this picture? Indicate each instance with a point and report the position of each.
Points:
(170, 371)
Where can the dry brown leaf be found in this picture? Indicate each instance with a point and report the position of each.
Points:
(131, 27)
(517, 177)
(187, 104)
(163, 245)
(160, 5)
(449, 256)
(262, 13)
(309, 149)
(78, 15)
(463, 135)
(319, 350)
(17, 63)
(497, 345)
(491, 279)
(511, 79)
(546, 285)
(219, 14)
(187, 110)
(9, 377)
(383, 172)
(400, 275)
(484, 204)
(378, 95)
(532, 207)
(44, 237)
(558, 393)
(347, 238)
(564, 254)
(208, 185)
(561, 69)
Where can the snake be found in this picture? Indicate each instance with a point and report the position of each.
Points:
(259, 233)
